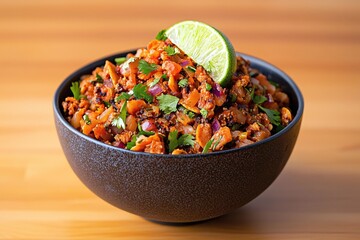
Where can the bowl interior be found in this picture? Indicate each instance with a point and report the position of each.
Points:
(273, 74)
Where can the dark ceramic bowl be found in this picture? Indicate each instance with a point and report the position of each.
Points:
(179, 188)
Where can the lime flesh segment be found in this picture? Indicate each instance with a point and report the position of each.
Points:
(207, 46)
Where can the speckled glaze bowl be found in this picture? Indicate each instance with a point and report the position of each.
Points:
(178, 188)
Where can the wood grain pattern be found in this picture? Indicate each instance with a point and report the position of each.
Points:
(316, 42)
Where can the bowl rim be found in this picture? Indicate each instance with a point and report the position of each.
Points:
(298, 115)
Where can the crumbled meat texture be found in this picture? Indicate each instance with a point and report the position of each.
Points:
(200, 101)
(70, 105)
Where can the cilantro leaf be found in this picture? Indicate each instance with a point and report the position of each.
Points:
(123, 96)
(75, 89)
(190, 114)
(120, 60)
(161, 35)
(86, 119)
(207, 146)
(184, 140)
(187, 112)
(171, 50)
(146, 67)
(132, 143)
(203, 112)
(153, 83)
(183, 82)
(99, 79)
(140, 92)
(120, 120)
(274, 116)
(167, 103)
(259, 99)
(173, 141)
(208, 87)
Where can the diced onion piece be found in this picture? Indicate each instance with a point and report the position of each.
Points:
(119, 144)
(215, 125)
(148, 125)
(217, 90)
(188, 129)
(184, 63)
(155, 90)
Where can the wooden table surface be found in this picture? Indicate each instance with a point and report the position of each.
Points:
(317, 196)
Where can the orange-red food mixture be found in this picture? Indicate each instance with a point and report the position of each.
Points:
(160, 101)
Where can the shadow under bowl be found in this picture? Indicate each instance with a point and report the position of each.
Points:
(178, 188)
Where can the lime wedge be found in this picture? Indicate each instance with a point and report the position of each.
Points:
(207, 46)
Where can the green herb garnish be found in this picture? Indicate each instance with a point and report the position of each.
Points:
(216, 143)
(134, 138)
(184, 140)
(164, 76)
(259, 99)
(75, 89)
(190, 114)
(191, 68)
(274, 116)
(145, 67)
(161, 35)
(143, 132)
(140, 92)
(208, 87)
(122, 96)
(168, 103)
(132, 143)
(203, 112)
(207, 146)
(183, 82)
(86, 119)
(153, 83)
(120, 120)
(99, 79)
(171, 50)
(251, 92)
(120, 60)
(187, 112)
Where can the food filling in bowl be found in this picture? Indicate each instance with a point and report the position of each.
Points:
(159, 100)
